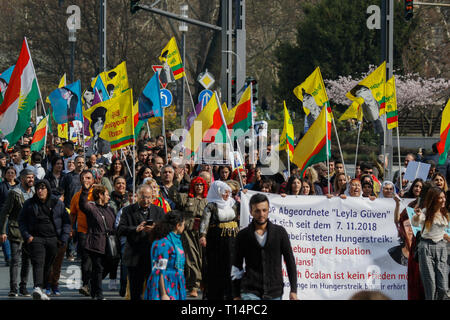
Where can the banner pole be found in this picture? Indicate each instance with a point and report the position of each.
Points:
(339, 145)
(357, 146)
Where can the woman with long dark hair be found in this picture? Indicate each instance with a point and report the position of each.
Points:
(433, 220)
(116, 169)
(293, 186)
(408, 240)
(166, 281)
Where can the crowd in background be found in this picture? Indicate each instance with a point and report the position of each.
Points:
(175, 225)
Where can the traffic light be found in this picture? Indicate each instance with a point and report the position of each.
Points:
(133, 7)
(251, 80)
(409, 9)
(233, 93)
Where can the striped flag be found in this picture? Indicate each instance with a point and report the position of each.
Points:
(287, 136)
(444, 143)
(20, 98)
(171, 55)
(391, 104)
(207, 127)
(38, 141)
(315, 146)
(239, 119)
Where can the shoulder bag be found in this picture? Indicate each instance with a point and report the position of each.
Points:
(111, 248)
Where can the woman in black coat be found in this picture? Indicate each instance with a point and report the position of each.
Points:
(100, 220)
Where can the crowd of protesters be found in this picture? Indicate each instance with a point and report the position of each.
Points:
(175, 226)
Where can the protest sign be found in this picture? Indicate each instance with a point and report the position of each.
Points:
(341, 246)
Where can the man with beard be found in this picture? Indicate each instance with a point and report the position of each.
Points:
(262, 245)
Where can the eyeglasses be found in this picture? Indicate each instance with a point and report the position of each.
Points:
(368, 172)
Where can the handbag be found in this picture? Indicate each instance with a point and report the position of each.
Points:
(111, 248)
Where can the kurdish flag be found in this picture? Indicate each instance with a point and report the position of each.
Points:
(287, 136)
(20, 98)
(117, 120)
(370, 93)
(38, 141)
(239, 119)
(209, 126)
(171, 55)
(444, 144)
(315, 146)
(391, 104)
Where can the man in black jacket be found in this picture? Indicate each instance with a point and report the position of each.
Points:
(45, 226)
(135, 224)
(261, 245)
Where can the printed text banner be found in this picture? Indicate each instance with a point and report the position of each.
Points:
(341, 246)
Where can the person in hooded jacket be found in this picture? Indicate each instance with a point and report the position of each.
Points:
(45, 226)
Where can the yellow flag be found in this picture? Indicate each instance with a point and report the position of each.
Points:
(115, 80)
(353, 112)
(287, 136)
(113, 121)
(391, 104)
(312, 93)
(370, 93)
(171, 55)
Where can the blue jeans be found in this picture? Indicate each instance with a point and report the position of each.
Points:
(251, 296)
(6, 250)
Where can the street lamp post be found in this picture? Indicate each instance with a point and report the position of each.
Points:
(73, 24)
(183, 28)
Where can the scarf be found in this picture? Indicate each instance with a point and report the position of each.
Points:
(178, 246)
(217, 189)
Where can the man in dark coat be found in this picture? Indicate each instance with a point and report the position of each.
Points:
(136, 225)
(45, 226)
(262, 245)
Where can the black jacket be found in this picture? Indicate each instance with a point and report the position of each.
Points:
(71, 184)
(95, 213)
(60, 217)
(263, 276)
(138, 244)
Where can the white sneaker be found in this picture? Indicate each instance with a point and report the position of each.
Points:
(44, 296)
(37, 294)
(112, 284)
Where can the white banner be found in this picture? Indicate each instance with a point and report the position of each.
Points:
(341, 246)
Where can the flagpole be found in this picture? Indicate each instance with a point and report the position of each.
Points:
(229, 139)
(164, 132)
(399, 161)
(328, 156)
(37, 82)
(45, 138)
(357, 145)
(339, 145)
